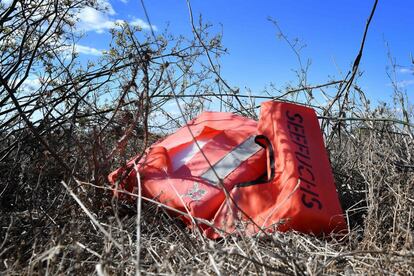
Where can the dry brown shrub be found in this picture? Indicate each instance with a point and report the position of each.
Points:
(58, 216)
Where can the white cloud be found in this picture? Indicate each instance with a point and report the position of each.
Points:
(105, 5)
(68, 50)
(82, 49)
(124, 1)
(91, 19)
(31, 84)
(406, 71)
(405, 83)
(6, 2)
(94, 20)
(142, 24)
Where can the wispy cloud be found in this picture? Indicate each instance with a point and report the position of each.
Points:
(82, 49)
(406, 70)
(106, 6)
(6, 2)
(31, 84)
(91, 19)
(94, 20)
(142, 24)
(404, 83)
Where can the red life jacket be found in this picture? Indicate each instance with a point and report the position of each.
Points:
(277, 172)
(300, 191)
(176, 173)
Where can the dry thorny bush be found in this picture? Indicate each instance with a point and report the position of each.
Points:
(61, 138)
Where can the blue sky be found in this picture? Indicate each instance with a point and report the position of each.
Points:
(332, 31)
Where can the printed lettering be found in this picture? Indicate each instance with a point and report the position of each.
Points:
(309, 192)
(301, 168)
(307, 177)
(299, 138)
(301, 160)
(297, 128)
(293, 118)
(302, 148)
(310, 204)
(307, 181)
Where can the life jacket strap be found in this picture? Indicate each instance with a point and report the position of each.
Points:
(264, 142)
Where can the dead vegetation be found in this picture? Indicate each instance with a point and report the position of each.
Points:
(61, 139)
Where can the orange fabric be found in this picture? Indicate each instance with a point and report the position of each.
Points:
(302, 195)
(183, 188)
(299, 194)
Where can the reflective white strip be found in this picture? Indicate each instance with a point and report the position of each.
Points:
(187, 154)
(232, 160)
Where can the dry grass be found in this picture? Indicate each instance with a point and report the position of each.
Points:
(57, 213)
(45, 231)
